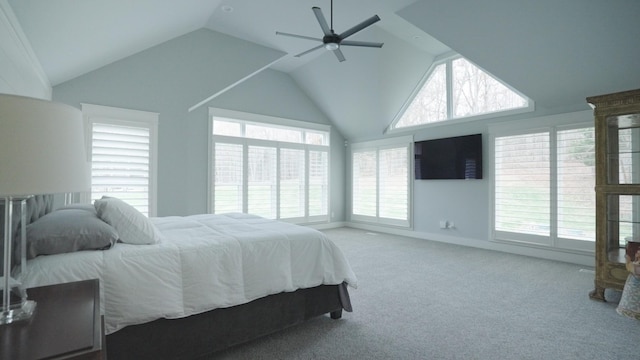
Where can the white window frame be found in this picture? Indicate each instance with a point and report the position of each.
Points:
(451, 119)
(391, 143)
(552, 124)
(133, 118)
(249, 118)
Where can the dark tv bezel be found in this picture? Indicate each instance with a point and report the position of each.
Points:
(475, 139)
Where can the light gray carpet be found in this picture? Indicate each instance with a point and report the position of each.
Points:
(419, 299)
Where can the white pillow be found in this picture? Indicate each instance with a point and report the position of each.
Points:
(133, 227)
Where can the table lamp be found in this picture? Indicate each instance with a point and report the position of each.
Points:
(42, 151)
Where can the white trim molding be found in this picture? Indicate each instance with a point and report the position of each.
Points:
(20, 70)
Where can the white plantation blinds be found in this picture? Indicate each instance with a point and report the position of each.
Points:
(120, 164)
(292, 183)
(263, 182)
(576, 181)
(267, 169)
(393, 181)
(318, 182)
(522, 183)
(123, 160)
(380, 183)
(365, 183)
(228, 163)
(544, 187)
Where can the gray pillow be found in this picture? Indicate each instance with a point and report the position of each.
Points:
(67, 230)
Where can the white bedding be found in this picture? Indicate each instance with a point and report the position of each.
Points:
(203, 262)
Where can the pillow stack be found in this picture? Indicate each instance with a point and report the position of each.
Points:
(79, 227)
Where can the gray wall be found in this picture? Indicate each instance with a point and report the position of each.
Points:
(468, 202)
(176, 75)
(465, 202)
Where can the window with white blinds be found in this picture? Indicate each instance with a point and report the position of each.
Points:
(381, 182)
(229, 165)
(262, 181)
(365, 183)
(318, 183)
(544, 187)
(278, 169)
(522, 184)
(394, 172)
(123, 155)
(576, 182)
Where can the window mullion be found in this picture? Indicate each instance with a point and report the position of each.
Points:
(307, 180)
(278, 177)
(553, 187)
(245, 177)
(449, 78)
(378, 183)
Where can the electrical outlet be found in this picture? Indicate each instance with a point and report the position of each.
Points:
(443, 224)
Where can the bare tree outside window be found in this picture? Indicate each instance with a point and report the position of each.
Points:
(472, 92)
(476, 92)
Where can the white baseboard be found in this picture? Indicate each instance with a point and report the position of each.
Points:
(582, 259)
(331, 225)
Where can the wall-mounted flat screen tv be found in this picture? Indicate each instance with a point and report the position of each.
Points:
(457, 157)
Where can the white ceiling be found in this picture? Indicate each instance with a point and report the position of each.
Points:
(554, 52)
(73, 37)
(258, 22)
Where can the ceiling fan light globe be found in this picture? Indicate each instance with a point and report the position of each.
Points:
(332, 46)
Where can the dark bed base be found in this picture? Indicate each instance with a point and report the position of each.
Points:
(199, 335)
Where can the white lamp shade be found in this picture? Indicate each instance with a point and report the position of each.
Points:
(42, 147)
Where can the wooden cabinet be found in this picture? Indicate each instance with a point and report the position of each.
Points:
(617, 128)
(66, 325)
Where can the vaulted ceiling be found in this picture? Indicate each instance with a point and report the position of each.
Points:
(554, 52)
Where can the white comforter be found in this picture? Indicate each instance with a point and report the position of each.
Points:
(203, 262)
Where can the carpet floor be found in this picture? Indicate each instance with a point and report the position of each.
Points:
(419, 299)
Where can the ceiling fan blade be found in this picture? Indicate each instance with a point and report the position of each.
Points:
(361, 43)
(370, 21)
(321, 20)
(298, 36)
(339, 54)
(310, 50)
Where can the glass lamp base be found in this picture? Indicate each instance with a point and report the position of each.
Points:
(18, 312)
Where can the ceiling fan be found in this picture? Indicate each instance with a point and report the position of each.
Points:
(332, 41)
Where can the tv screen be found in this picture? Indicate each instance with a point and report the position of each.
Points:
(449, 158)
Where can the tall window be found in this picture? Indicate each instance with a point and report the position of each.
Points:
(275, 168)
(455, 89)
(381, 182)
(123, 151)
(544, 187)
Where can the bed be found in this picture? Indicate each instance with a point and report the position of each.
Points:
(184, 287)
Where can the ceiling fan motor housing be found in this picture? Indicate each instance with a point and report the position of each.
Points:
(331, 42)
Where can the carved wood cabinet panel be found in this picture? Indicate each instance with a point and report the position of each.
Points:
(617, 129)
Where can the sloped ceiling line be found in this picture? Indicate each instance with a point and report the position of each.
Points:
(240, 81)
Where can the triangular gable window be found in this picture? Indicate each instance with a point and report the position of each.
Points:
(457, 89)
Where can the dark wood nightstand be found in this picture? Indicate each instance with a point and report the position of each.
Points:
(66, 325)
